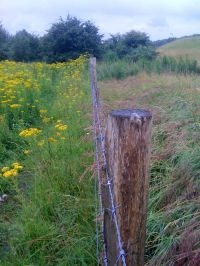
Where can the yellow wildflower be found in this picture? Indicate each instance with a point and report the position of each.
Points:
(2, 117)
(29, 132)
(61, 127)
(26, 151)
(43, 111)
(15, 105)
(51, 139)
(10, 173)
(5, 168)
(46, 119)
(17, 166)
(6, 101)
(40, 143)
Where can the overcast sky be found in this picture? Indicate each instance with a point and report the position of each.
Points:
(158, 18)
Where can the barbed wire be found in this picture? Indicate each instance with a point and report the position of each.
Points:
(98, 193)
(100, 153)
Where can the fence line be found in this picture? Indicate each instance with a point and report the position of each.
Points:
(98, 194)
(99, 145)
(122, 165)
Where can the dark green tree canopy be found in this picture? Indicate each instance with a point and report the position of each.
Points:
(134, 39)
(69, 38)
(4, 43)
(25, 47)
(132, 45)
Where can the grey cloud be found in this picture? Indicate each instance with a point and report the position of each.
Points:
(158, 22)
(155, 17)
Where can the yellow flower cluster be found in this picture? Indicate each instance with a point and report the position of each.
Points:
(17, 166)
(29, 132)
(26, 152)
(12, 171)
(60, 126)
(15, 105)
(40, 143)
(43, 115)
(46, 119)
(15, 79)
(24, 103)
(18, 80)
(51, 139)
(43, 111)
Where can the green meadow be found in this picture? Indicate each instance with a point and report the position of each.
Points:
(46, 156)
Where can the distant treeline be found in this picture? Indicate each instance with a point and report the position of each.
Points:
(159, 43)
(67, 39)
(171, 39)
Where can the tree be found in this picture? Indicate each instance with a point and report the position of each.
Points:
(25, 47)
(4, 43)
(132, 45)
(134, 39)
(69, 38)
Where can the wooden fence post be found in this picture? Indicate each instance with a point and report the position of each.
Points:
(127, 147)
(93, 79)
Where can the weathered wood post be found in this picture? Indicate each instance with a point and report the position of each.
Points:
(127, 147)
(93, 79)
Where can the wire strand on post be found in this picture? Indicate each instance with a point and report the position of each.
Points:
(99, 207)
(100, 150)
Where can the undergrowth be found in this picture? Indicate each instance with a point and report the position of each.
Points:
(47, 215)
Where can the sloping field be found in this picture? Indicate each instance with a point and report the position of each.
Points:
(189, 47)
(173, 227)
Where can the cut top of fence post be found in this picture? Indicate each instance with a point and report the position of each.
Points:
(132, 113)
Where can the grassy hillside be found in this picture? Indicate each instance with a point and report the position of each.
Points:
(189, 46)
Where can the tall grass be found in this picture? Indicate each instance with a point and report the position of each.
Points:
(173, 225)
(117, 69)
(120, 69)
(173, 218)
(48, 216)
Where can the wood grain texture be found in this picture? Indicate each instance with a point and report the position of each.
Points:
(127, 145)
